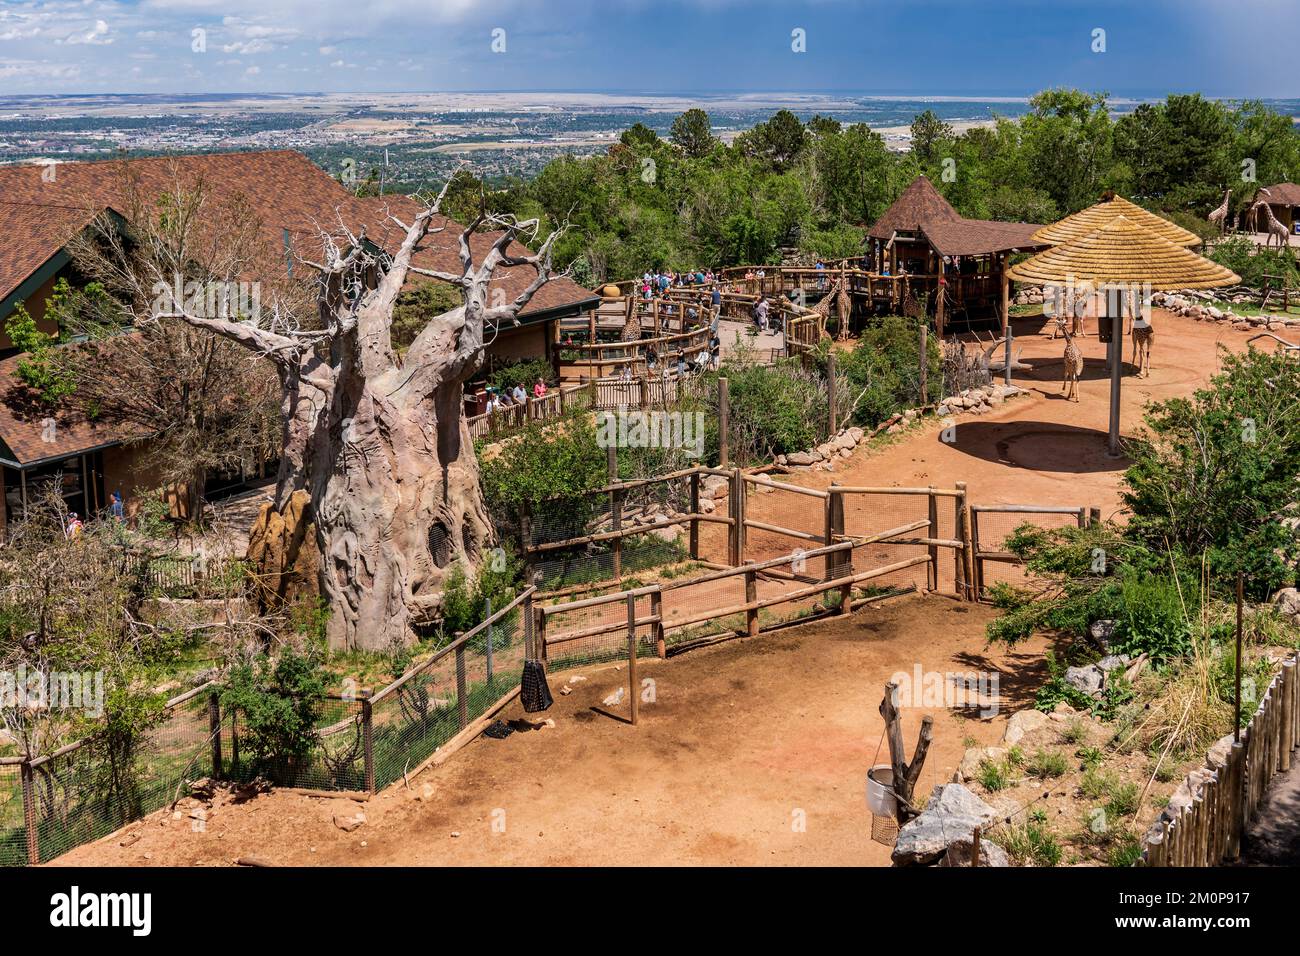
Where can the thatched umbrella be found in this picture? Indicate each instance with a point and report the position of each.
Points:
(1075, 227)
(1125, 257)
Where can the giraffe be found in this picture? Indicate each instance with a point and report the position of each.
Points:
(1219, 215)
(1143, 336)
(1275, 229)
(1073, 367)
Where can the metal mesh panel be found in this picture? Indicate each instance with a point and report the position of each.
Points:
(610, 645)
(13, 830)
(866, 515)
(91, 791)
(994, 527)
(770, 504)
(334, 764)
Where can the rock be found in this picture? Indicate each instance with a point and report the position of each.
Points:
(857, 433)
(952, 814)
(1217, 758)
(616, 698)
(348, 824)
(1023, 722)
(1113, 662)
(1287, 601)
(707, 506)
(1102, 633)
(802, 458)
(1087, 679)
(712, 484)
(780, 459)
(846, 452)
(959, 853)
(943, 410)
(1063, 708)
(969, 767)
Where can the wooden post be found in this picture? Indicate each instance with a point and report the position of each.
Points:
(487, 640)
(462, 705)
(751, 595)
(932, 569)
(633, 689)
(964, 560)
(938, 305)
(368, 742)
(724, 423)
(1236, 707)
(738, 493)
(657, 610)
(924, 363)
(975, 847)
(29, 814)
(615, 508)
(1006, 299)
(644, 389)
(214, 728)
(838, 563)
(905, 774)
(695, 510)
(830, 389)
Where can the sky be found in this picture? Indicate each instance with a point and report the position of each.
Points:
(1234, 48)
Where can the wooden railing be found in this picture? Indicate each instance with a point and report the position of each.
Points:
(1208, 831)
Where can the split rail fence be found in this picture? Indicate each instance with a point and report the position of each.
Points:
(1209, 831)
(53, 803)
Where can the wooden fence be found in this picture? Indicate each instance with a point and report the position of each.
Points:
(1208, 832)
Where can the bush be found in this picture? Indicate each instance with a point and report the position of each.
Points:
(277, 700)
(523, 373)
(1253, 263)
(884, 371)
(774, 410)
(544, 460)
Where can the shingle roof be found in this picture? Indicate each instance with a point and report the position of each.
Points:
(440, 252)
(1283, 194)
(24, 418)
(917, 206)
(32, 235)
(973, 237)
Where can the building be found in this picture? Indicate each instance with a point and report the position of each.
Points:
(1284, 200)
(921, 243)
(43, 207)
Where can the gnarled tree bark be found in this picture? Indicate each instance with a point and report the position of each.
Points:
(380, 443)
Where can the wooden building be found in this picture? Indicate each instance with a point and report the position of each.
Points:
(959, 264)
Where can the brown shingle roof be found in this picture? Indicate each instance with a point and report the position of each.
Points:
(32, 235)
(1283, 194)
(973, 237)
(917, 206)
(23, 419)
(440, 252)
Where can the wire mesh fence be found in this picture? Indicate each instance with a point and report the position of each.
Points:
(992, 525)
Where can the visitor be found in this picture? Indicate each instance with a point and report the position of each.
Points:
(651, 358)
(821, 279)
(116, 508)
(539, 388)
(74, 526)
(701, 360)
(760, 312)
(519, 395)
(625, 372)
(715, 298)
(681, 364)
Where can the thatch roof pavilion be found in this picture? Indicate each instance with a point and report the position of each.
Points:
(1123, 252)
(1121, 255)
(1080, 224)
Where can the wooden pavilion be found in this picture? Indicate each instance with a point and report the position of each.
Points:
(923, 237)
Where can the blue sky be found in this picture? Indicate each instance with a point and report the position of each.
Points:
(958, 47)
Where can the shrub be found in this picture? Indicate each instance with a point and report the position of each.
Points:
(1046, 764)
(523, 373)
(774, 410)
(992, 775)
(277, 701)
(884, 371)
(1252, 263)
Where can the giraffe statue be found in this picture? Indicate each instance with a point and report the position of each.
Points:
(1073, 367)
(1275, 229)
(1219, 215)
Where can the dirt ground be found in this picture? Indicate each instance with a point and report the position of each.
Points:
(746, 739)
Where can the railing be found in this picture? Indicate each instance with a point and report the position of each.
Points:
(1208, 830)
(510, 418)
(985, 535)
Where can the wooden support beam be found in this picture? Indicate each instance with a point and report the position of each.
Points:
(905, 774)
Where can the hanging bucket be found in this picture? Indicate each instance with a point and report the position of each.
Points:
(880, 790)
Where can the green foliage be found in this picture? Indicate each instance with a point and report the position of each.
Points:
(1047, 764)
(36, 368)
(884, 371)
(545, 460)
(692, 133)
(774, 410)
(1253, 263)
(417, 305)
(993, 775)
(525, 373)
(1033, 841)
(1215, 473)
(1055, 690)
(277, 700)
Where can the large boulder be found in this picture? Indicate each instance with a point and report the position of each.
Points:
(951, 816)
(1024, 722)
(959, 854)
(1102, 633)
(1287, 601)
(1089, 680)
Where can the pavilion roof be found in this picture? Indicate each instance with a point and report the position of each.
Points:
(1089, 220)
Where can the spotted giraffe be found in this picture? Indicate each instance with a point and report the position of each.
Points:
(1073, 367)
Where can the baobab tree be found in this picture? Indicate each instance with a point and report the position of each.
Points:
(377, 442)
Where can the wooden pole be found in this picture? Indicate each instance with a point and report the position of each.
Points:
(963, 560)
(1116, 366)
(751, 595)
(830, 389)
(633, 689)
(214, 728)
(615, 508)
(938, 307)
(29, 814)
(932, 569)
(905, 774)
(975, 848)
(657, 611)
(724, 425)
(695, 521)
(368, 744)
(923, 356)
(1006, 298)
(1236, 708)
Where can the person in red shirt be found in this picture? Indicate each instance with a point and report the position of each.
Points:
(539, 389)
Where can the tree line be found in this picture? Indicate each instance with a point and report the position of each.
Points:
(691, 199)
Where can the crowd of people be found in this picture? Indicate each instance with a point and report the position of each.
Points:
(657, 283)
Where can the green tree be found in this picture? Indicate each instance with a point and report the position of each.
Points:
(692, 133)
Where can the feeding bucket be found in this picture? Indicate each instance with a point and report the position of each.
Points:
(880, 790)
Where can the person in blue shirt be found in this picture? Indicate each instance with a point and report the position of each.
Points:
(116, 508)
(716, 297)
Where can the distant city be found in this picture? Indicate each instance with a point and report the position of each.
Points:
(413, 140)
